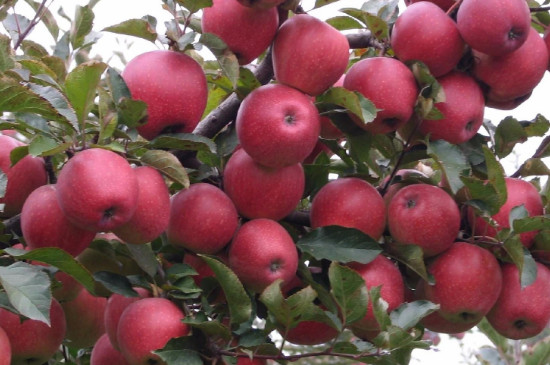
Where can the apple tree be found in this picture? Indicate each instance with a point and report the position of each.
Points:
(269, 186)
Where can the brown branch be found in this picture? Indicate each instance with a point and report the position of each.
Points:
(539, 9)
(538, 154)
(295, 357)
(31, 25)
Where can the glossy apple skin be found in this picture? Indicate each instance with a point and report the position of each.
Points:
(104, 353)
(245, 30)
(33, 342)
(261, 252)
(44, 224)
(403, 177)
(514, 75)
(424, 215)
(521, 313)
(97, 189)
(349, 202)
(390, 85)
(468, 281)
(305, 48)
(203, 219)
(173, 86)
(262, 192)
(277, 125)
(85, 319)
(5, 348)
(462, 110)
(23, 178)
(152, 213)
(384, 273)
(423, 32)
(487, 25)
(147, 325)
(519, 192)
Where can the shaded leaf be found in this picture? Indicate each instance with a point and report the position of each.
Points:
(140, 28)
(184, 142)
(227, 60)
(82, 25)
(451, 160)
(534, 167)
(132, 113)
(145, 257)
(211, 328)
(115, 283)
(353, 101)
(195, 5)
(509, 132)
(6, 53)
(167, 164)
(349, 291)
(409, 314)
(413, 257)
(16, 24)
(320, 3)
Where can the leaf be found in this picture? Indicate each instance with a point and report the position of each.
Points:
(413, 257)
(115, 283)
(117, 85)
(140, 28)
(195, 5)
(451, 160)
(409, 314)
(46, 18)
(340, 244)
(6, 53)
(3, 186)
(344, 23)
(349, 291)
(527, 224)
(40, 144)
(177, 356)
(82, 25)
(184, 142)
(509, 132)
(227, 60)
(529, 269)
(377, 26)
(145, 257)
(539, 354)
(15, 24)
(28, 290)
(320, 3)
(167, 164)
(240, 307)
(353, 101)
(497, 339)
(534, 167)
(81, 85)
(132, 113)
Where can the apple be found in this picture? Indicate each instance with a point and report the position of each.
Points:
(309, 54)
(462, 110)
(424, 215)
(116, 304)
(104, 353)
(85, 319)
(311, 333)
(97, 189)
(319, 148)
(520, 192)
(277, 125)
(265, 4)
(173, 86)
(247, 31)
(390, 85)
(33, 342)
(436, 323)
(262, 192)
(200, 266)
(328, 129)
(261, 252)
(443, 4)
(24, 177)
(152, 213)
(250, 361)
(403, 177)
(147, 325)
(349, 202)
(546, 38)
(384, 273)
(44, 224)
(5, 348)
(468, 281)
(494, 27)
(203, 219)
(423, 32)
(513, 75)
(521, 313)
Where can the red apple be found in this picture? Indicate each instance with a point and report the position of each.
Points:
(309, 54)
(200, 266)
(174, 87)
(435, 322)
(317, 150)
(33, 342)
(104, 353)
(521, 313)
(424, 215)
(147, 325)
(423, 32)
(262, 251)
(349, 202)
(97, 189)
(403, 177)
(85, 319)
(494, 27)
(277, 125)
(202, 219)
(5, 348)
(311, 333)
(152, 213)
(265, 4)
(245, 30)
(462, 110)
(390, 85)
(262, 192)
(23, 178)
(519, 192)
(44, 224)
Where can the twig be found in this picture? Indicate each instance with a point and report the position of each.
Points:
(31, 25)
(538, 154)
(295, 357)
(539, 9)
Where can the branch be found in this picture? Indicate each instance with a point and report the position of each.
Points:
(539, 9)
(31, 25)
(301, 356)
(538, 154)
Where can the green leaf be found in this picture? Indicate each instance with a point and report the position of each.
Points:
(117, 85)
(451, 160)
(353, 101)
(81, 85)
(413, 257)
(3, 186)
(140, 28)
(527, 224)
(529, 269)
(320, 3)
(344, 23)
(195, 5)
(211, 328)
(28, 290)
(539, 354)
(132, 113)
(15, 24)
(115, 283)
(409, 314)
(349, 291)
(82, 25)
(6, 53)
(377, 26)
(166, 163)
(534, 167)
(40, 144)
(509, 132)
(226, 59)
(145, 257)
(537, 127)
(171, 354)
(46, 18)
(340, 244)
(184, 142)
(240, 307)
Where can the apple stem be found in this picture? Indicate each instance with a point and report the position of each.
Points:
(453, 7)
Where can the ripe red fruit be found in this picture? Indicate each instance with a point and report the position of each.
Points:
(245, 30)
(309, 54)
(202, 219)
(349, 202)
(5, 348)
(262, 192)
(173, 86)
(262, 251)
(311, 333)
(424, 215)
(104, 353)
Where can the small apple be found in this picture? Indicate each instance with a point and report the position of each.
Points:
(5, 348)
(104, 353)
(203, 219)
(261, 252)
(173, 86)
(247, 31)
